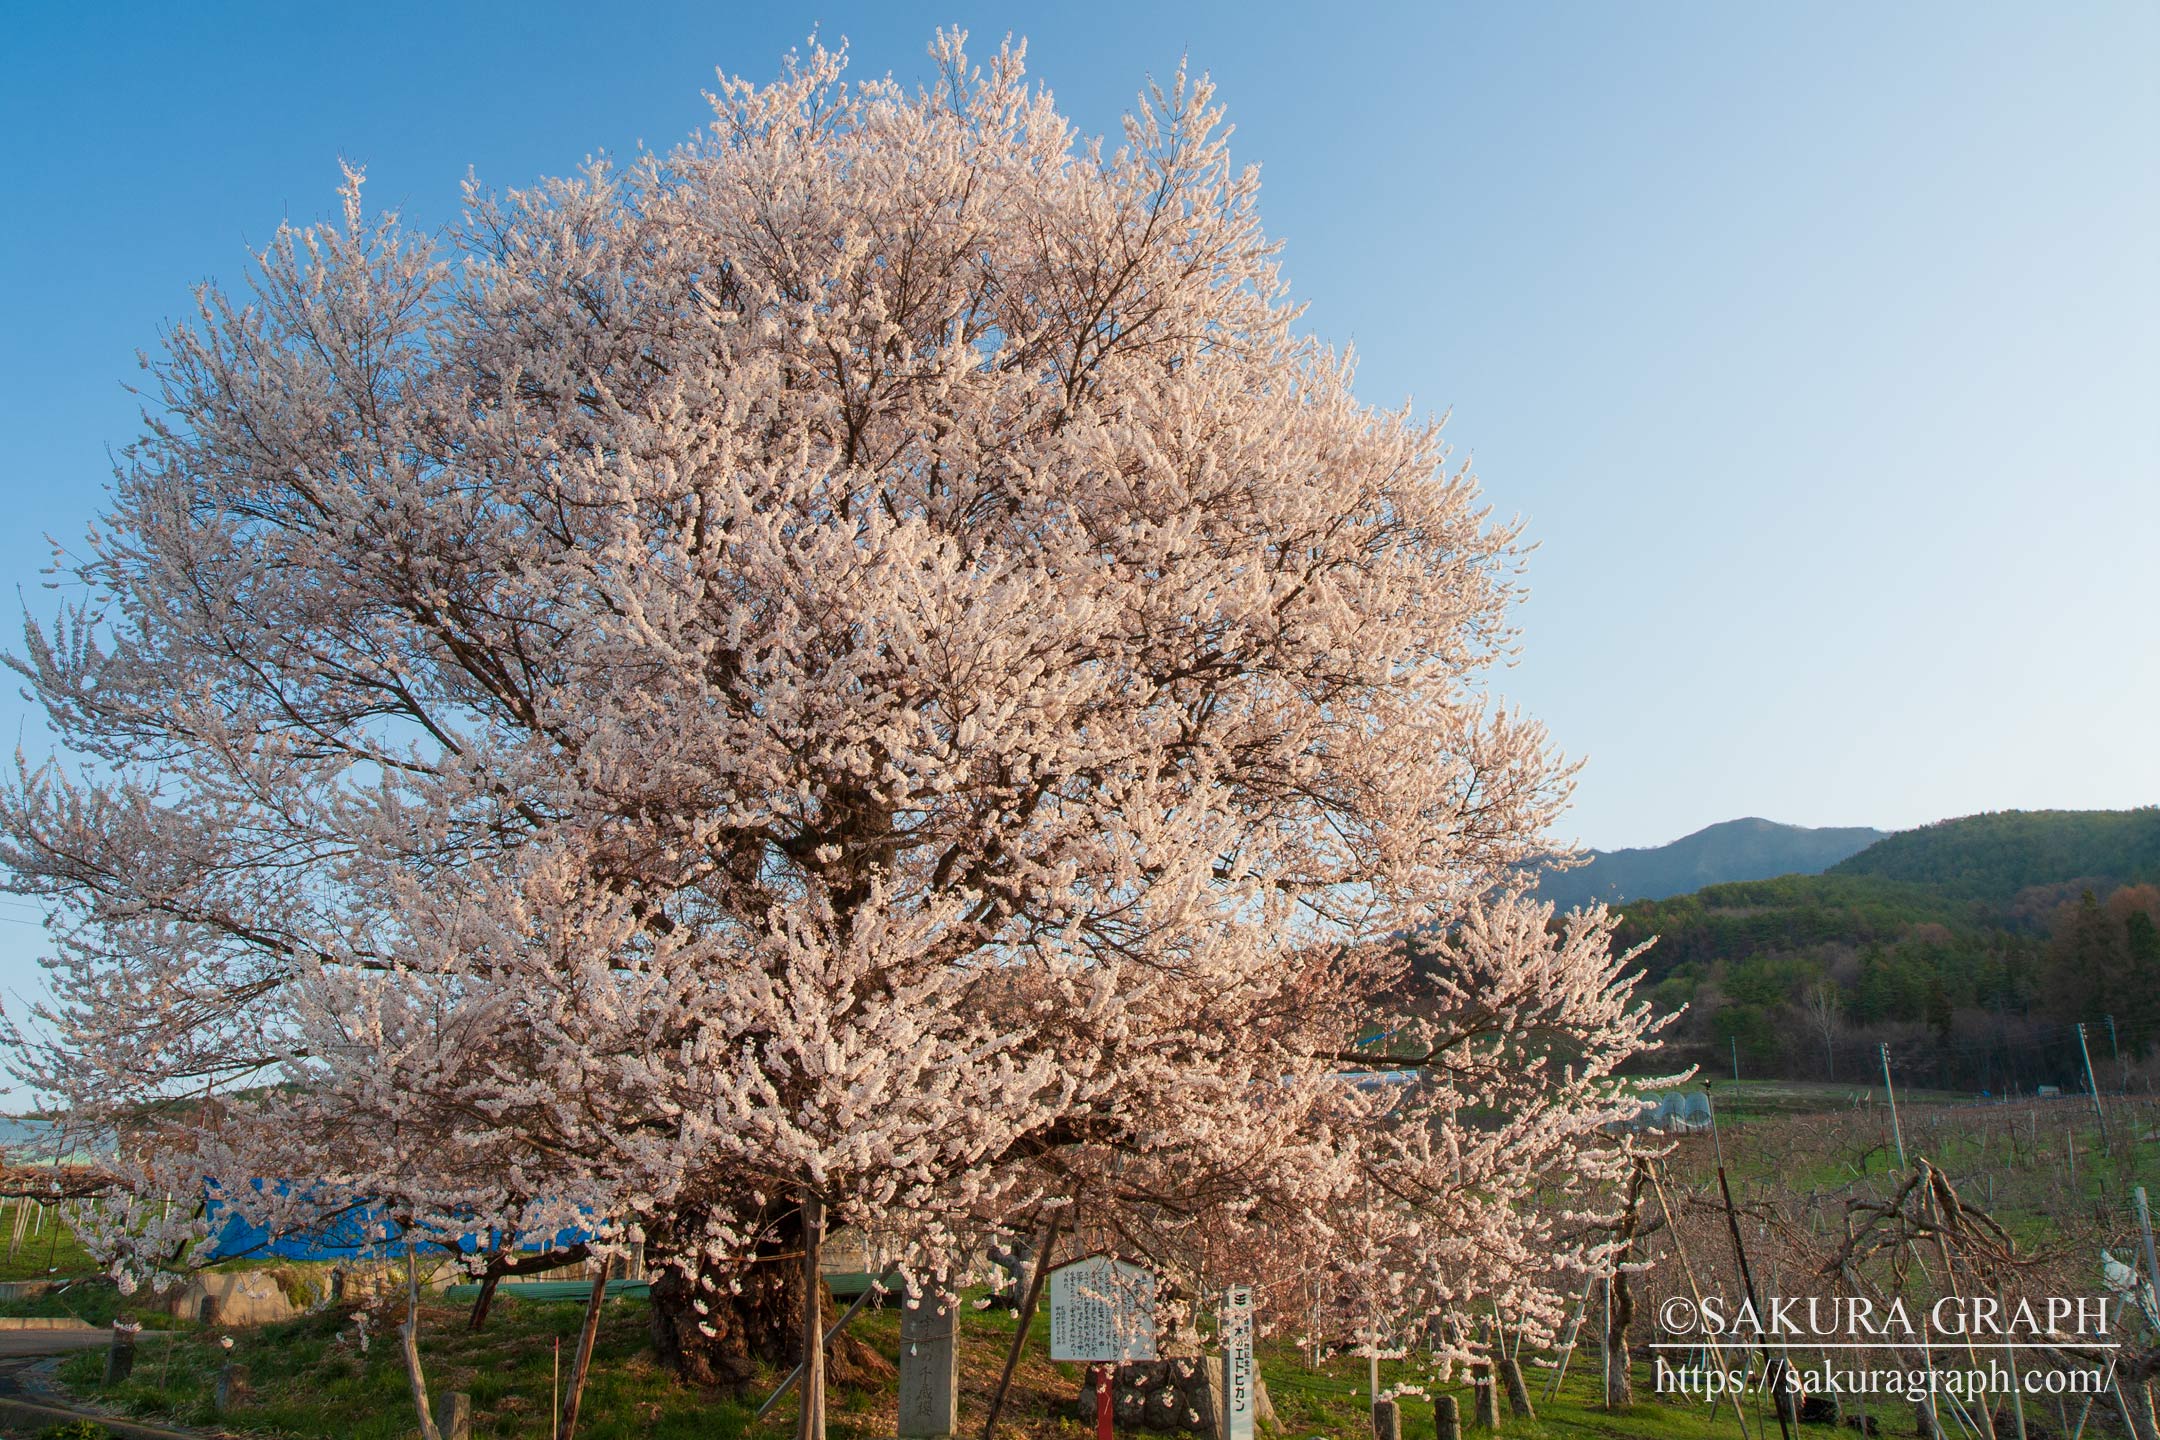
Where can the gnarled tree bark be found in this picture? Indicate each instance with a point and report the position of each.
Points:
(753, 1312)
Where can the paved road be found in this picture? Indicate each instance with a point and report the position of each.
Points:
(17, 1344)
(29, 1409)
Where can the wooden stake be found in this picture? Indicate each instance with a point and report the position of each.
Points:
(1732, 1223)
(1020, 1331)
(796, 1374)
(409, 1337)
(810, 1422)
(581, 1363)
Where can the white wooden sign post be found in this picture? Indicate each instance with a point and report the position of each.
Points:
(1237, 1362)
(1102, 1313)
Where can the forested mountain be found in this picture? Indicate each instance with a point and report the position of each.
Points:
(1973, 947)
(1993, 857)
(1749, 849)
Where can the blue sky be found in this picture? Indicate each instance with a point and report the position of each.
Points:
(1815, 342)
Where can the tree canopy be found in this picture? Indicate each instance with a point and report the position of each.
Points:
(860, 659)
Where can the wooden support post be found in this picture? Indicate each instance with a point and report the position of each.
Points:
(408, 1337)
(1747, 1280)
(810, 1423)
(2092, 1087)
(581, 1363)
(1891, 1095)
(1567, 1341)
(2143, 1208)
(796, 1374)
(1020, 1330)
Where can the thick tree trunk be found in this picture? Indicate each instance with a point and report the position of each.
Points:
(753, 1314)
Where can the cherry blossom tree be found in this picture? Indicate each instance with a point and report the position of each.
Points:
(858, 671)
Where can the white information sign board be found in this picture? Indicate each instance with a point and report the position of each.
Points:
(1102, 1311)
(1237, 1349)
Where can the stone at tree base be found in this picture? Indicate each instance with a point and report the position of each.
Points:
(929, 1367)
(1447, 1418)
(453, 1416)
(1182, 1393)
(1386, 1420)
(237, 1298)
(1518, 1394)
(120, 1358)
(1821, 1410)
(1209, 1395)
(1487, 1396)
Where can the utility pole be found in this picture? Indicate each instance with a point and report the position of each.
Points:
(1895, 1128)
(2094, 1089)
(2116, 1049)
(1736, 1057)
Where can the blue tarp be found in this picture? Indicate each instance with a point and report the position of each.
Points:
(360, 1232)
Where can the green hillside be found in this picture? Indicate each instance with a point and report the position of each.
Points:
(1792, 912)
(1994, 856)
(1972, 947)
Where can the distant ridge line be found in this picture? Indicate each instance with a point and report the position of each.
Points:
(1750, 848)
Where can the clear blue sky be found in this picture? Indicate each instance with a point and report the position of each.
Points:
(1816, 342)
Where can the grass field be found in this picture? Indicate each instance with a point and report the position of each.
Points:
(1794, 1149)
(309, 1378)
(48, 1247)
